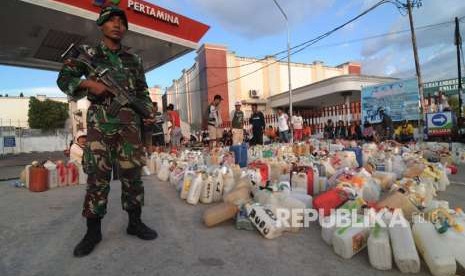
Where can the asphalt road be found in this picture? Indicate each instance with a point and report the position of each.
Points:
(39, 230)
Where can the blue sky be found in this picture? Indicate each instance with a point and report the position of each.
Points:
(255, 28)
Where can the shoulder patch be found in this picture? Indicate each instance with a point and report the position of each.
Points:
(91, 51)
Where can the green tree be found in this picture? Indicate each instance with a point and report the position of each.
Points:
(47, 115)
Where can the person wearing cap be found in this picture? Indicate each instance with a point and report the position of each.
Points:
(110, 138)
(237, 124)
(77, 148)
(215, 133)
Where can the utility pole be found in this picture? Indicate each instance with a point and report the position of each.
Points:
(288, 63)
(458, 43)
(417, 65)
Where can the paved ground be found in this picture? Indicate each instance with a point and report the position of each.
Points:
(39, 230)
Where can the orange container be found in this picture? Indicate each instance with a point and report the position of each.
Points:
(38, 179)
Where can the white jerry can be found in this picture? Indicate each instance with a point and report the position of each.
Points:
(195, 190)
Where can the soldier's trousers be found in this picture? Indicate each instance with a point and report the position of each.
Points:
(105, 144)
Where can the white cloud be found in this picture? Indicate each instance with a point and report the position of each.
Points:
(260, 18)
(393, 55)
(50, 91)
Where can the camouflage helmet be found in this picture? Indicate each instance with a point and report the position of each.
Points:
(107, 12)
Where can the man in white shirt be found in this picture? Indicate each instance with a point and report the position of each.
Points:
(283, 126)
(297, 125)
(214, 121)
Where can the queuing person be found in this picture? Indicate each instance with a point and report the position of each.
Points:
(340, 131)
(283, 126)
(328, 131)
(307, 131)
(404, 132)
(271, 134)
(386, 125)
(76, 151)
(297, 125)
(214, 121)
(175, 129)
(257, 120)
(355, 131)
(158, 137)
(237, 123)
(368, 131)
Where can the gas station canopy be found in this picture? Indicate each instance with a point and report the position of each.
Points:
(36, 32)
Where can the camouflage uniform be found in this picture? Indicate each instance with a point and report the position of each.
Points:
(110, 138)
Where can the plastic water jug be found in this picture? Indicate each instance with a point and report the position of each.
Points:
(164, 171)
(188, 178)
(207, 190)
(348, 241)
(329, 200)
(379, 248)
(264, 220)
(27, 175)
(218, 185)
(328, 226)
(219, 213)
(151, 163)
(434, 249)
(82, 175)
(72, 173)
(62, 174)
(303, 197)
(195, 189)
(228, 180)
(52, 174)
(38, 179)
(403, 248)
(238, 196)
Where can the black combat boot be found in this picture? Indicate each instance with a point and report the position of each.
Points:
(91, 239)
(137, 228)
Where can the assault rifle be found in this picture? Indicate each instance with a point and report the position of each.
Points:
(122, 96)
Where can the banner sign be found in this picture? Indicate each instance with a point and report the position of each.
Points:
(440, 123)
(9, 141)
(400, 100)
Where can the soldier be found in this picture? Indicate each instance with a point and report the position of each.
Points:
(110, 137)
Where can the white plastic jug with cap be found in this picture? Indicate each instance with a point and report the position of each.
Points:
(328, 226)
(456, 239)
(164, 171)
(187, 181)
(228, 180)
(434, 248)
(195, 189)
(207, 190)
(403, 247)
(52, 174)
(218, 185)
(151, 163)
(264, 220)
(379, 248)
(348, 241)
(299, 182)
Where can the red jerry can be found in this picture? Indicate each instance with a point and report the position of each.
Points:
(38, 179)
(329, 200)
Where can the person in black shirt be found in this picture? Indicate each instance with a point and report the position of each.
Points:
(257, 120)
(158, 137)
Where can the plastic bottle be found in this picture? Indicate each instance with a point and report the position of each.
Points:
(38, 179)
(228, 180)
(207, 190)
(52, 174)
(72, 173)
(164, 171)
(264, 220)
(62, 174)
(218, 185)
(188, 178)
(151, 163)
(238, 196)
(195, 190)
(348, 241)
(299, 182)
(434, 249)
(328, 226)
(379, 248)
(219, 213)
(403, 247)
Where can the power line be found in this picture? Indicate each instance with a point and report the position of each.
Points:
(426, 27)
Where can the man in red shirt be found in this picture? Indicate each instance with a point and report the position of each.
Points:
(175, 129)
